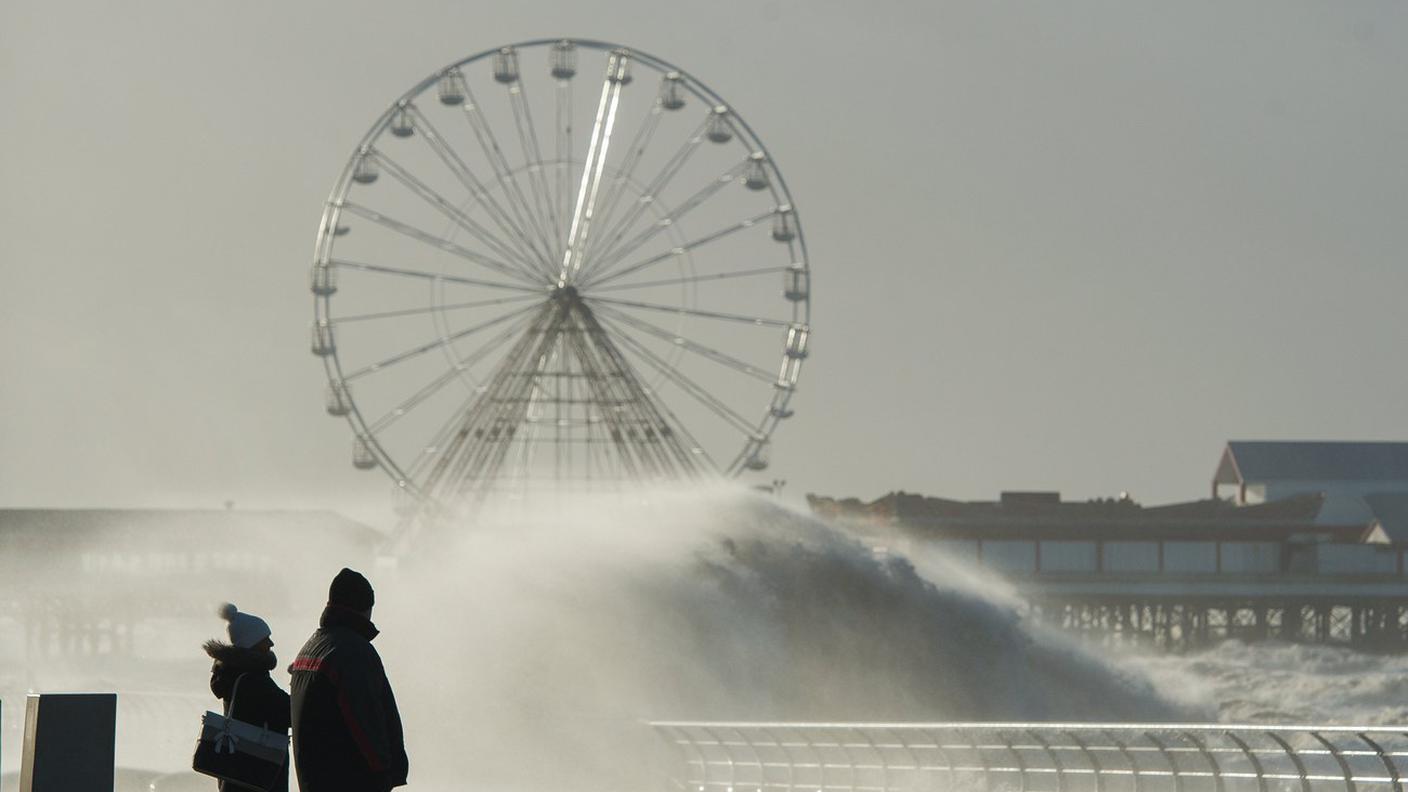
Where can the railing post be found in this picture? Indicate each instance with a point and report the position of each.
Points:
(787, 754)
(1212, 763)
(1089, 757)
(1339, 759)
(1017, 758)
(942, 751)
(1251, 757)
(1055, 760)
(1128, 757)
(1295, 760)
(1383, 757)
(728, 757)
(1168, 757)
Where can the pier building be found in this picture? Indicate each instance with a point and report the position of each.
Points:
(1350, 476)
(1310, 547)
(89, 581)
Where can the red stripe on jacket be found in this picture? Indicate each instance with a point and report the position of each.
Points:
(358, 736)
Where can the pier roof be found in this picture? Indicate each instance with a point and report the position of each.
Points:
(1390, 517)
(1027, 517)
(1246, 461)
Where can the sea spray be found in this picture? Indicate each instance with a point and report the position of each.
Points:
(1275, 682)
(528, 648)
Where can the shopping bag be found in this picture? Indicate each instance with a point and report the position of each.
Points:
(240, 753)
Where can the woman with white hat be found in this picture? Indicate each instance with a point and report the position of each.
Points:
(247, 660)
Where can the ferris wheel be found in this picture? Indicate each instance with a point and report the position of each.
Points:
(562, 261)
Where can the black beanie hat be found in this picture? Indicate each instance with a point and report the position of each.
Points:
(350, 590)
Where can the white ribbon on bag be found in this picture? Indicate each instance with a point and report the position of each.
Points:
(225, 742)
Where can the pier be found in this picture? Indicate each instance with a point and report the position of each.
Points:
(1309, 546)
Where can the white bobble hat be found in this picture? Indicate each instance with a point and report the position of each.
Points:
(246, 629)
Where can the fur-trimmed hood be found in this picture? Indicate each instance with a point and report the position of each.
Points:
(235, 658)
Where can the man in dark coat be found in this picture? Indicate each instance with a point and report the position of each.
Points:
(346, 729)
(239, 677)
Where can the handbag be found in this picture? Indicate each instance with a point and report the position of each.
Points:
(239, 753)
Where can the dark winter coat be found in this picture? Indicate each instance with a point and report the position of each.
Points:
(346, 729)
(259, 699)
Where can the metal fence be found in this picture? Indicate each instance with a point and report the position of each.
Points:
(1033, 757)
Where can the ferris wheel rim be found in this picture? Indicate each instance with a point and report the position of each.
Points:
(333, 364)
(693, 84)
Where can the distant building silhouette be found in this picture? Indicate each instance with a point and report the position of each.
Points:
(1312, 546)
(83, 581)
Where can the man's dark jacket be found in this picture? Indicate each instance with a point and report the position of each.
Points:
(259, 700)
(346, 730)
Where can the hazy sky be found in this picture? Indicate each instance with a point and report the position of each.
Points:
(1059, 245)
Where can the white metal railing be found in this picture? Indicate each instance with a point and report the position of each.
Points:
(1033, 757)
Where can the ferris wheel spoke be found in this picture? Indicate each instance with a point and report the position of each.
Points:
(448, 443)
(679, 426)
(615, 382)
(416, 351)
(421, 235)
(459, 369)
(441, 204)
(438, 440)
(432, 309)
(685, 207)
(604, 274)
(562, 131)
(617, 187)
(689, 386)
(758, 321)
(533, 159)
(692, 279)
(390, 417)
(675, 339)
(597, 149)
(653, 188)
(441, 437)
(477, 189)
(435, 276)
(503, 172)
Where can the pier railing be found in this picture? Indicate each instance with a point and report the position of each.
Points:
(1033, 757)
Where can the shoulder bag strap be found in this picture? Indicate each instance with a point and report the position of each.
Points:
(230, 707)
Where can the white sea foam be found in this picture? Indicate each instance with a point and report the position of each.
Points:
(1284, 683)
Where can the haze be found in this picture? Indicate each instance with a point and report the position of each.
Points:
(1070, 246)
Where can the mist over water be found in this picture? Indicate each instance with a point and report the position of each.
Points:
(528, 648)
(540, 642)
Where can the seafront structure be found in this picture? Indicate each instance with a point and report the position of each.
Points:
(89, 581)
(1311, 548)
(616, 292)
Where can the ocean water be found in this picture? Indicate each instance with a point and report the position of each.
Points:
(1236, 682)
